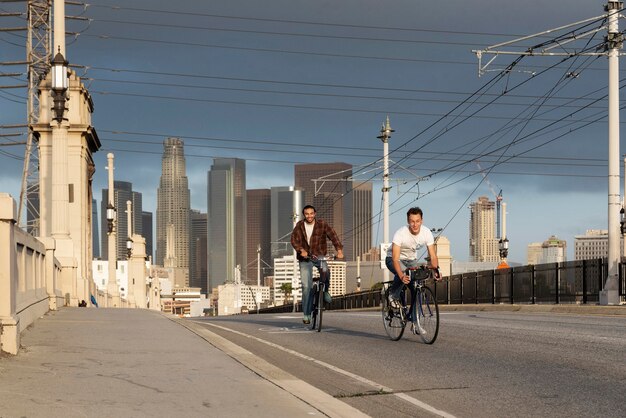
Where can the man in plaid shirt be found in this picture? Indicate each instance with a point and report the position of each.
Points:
(309, 239)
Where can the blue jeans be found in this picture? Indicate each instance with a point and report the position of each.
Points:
(396, 286)
(306, 277)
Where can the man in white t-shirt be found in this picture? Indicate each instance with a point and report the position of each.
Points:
(406, 243)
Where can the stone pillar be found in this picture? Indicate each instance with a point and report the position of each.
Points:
(137, 272)
(9, 321)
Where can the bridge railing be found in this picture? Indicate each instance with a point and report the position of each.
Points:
(553, 283)
(28, 275)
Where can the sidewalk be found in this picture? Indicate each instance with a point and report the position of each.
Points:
(87, 362)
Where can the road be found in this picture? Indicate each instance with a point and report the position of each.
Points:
(509, 364)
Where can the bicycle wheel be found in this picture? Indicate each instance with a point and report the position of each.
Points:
(393, 318)
(320, 307)
(427, 315)
(313, 294)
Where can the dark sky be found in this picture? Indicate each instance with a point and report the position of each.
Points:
(283, 82)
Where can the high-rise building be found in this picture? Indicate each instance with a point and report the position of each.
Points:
(594, 244)
(259, 208)
(146, 232)
(533, 253)
(227, 221)
(198, 253)
(123, 192)
(328, 187)
(362, 218)
(483, 244)
(173, 205)
(94, 229)
(554, 250)
(286, 206)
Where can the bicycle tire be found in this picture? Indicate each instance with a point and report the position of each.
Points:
(320, 307)
(314, 289)
(392, 318)
(428, 315)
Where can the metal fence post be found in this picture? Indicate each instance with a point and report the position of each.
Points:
(558, 283)
(533, 284)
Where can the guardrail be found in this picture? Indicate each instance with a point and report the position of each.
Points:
(553, 283)
(28, 276)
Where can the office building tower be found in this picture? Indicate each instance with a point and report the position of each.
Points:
(286, 204)
(554, 250)
(483, 244)
(594, 244)
(198, 253)
(123, 192)
(227, 221)
(173, 206)
(146, 232)
(533, 253)
(362, 218)
(328, 187)
(259, 237)
(95, 236)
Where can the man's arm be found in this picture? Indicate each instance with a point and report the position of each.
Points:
(297, 241)
(332, 235)
(434, 261)
(395, 255)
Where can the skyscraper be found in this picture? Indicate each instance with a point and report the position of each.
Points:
(362, 218)
(173, 205)
(286, 206)
(227, 222)
(259, 235)
(483, 244)
(94, 229)
(123, 191)
(146, 232)
(198, 253)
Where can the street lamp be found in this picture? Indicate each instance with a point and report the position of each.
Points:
(504, 247)
(110, 217)
(60, 85)
(129, 247)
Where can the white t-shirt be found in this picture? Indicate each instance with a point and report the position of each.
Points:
(410, 244)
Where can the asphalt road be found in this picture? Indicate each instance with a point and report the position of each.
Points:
(498, 364)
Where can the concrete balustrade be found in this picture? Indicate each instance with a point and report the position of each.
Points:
(28, 275)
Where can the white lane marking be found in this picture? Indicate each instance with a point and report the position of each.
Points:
(356, 377)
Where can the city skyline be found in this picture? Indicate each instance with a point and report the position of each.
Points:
(538, 132)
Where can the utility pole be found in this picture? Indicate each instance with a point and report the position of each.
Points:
(385, 134)
(609, 295)
(258, 277)
(39, 54)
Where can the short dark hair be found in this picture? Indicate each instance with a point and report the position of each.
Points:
(308, 207)
(414, 211)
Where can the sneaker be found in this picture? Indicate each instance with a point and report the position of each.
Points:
(306, 319)
(418, 330)
(394, 302)
(327, 297)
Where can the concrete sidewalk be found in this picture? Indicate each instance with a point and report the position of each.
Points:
(87, 362)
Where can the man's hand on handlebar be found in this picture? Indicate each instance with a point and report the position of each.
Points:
(436, 274)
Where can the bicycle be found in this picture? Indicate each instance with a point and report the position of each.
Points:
(418, 305)
(318, 287)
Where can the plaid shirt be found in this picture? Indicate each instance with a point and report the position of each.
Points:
(321, 231)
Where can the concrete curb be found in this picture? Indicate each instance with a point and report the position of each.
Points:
(316, 398)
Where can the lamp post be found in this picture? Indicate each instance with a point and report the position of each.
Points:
(60, 84)
(112, 289)
(385, 134)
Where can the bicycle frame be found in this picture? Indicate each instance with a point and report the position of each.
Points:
(422, 311)
(317, 291)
